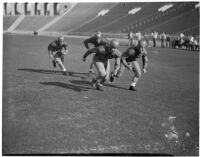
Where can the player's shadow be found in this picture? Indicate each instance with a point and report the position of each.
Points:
(88, 83)
(67, 86)
(56, 72)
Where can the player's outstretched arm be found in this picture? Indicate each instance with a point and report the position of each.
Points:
(86, 43)
(87, 53)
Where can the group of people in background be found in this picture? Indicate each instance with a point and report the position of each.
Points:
(103, 50)
(167, 41)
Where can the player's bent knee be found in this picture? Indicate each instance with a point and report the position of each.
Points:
(102, 74)
(138, 74)
(105, 78)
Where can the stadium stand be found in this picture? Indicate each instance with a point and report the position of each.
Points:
(81, 13)
(180, 23)
(150, 22)
(191, 31)
(147, 9)
(118, 20)
(182, 17)
(116, 13)
(32, 23)
(8, 21)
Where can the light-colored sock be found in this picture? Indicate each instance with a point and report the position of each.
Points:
(133, 84)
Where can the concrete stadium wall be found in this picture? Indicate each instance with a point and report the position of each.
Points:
(35, 8)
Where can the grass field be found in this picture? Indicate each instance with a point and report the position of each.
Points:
(45, 112)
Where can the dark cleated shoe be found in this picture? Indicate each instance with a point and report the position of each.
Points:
(54, 63)
(99, 86)
(94, 83)
(132, 88)
(112, 77)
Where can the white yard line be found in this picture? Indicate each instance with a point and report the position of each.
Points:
(56, 19)
(16, 23)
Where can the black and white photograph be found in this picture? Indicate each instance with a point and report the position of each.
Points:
(101, 78)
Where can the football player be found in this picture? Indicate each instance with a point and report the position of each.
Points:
(101, 61)
(129, 60)
(96, 41)
(57, 50)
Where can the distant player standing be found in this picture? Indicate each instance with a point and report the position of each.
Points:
(139, 36)
(163, 39)
(155, 35)
(96, 40)
(130, 39)
(146, 38)
(129, 60)
(167, 41)
(101, 61)
(57, 50)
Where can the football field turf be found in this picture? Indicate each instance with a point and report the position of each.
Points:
(46, 112)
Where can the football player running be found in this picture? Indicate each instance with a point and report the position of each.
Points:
(101, 61)
(96, 41)
(129, 60)
(57, 50)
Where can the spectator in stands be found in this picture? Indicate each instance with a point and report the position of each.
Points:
(163, 39)
(155, 35)
(167, 41)
(96, 41)
(101, 61)
(57, 49)
(130, 61)
(130, 38)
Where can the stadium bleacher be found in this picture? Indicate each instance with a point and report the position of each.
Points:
(147, 9)
(191, 31)
(160, 18)
(182, 17)
(32, 23)
(80, 14)
(180, 22)
(8, 21)
(116, 13)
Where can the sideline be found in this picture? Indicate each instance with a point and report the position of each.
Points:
(55, 34)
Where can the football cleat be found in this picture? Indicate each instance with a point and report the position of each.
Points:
(94, 83)
(91, 71)
(112, 77)
(54, 63)
(132, 88)
(99, 86)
